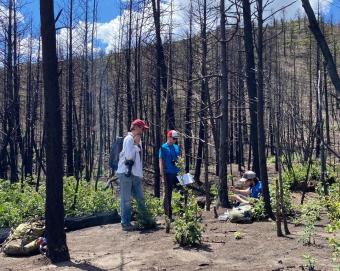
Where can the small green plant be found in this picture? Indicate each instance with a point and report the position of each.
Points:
(213, 190)
(238, 235)
(154, 204)
(271, 160)
(177, 203)
(307, 234)
(287, 198)
(334, 242)
(310, 213)
(180, 163)
(310, 262)
(145, 219)
(332, 202)
(257, 211)
(188, 227)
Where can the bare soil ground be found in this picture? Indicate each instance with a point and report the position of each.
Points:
(109, 248)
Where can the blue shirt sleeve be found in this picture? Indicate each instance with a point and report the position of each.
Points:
(256, 190)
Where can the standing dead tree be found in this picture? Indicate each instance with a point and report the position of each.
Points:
(320, 38)
(54, 208)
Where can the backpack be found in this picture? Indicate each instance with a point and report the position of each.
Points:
(23, 240)
(241, 214)
(116, 148)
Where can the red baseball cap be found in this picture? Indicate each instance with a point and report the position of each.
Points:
(173, 134)
(140, 123)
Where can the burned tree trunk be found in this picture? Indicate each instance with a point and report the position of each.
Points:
(251, 81)
(260, 114)
(223, 147)
(160, 77)
(54, 208)
(322, 43)
(69, 113)
(188, 111)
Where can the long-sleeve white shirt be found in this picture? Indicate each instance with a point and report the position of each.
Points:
(131, 151)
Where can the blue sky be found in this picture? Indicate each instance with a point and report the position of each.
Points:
(109, 24)
(107, 10)
(335, 10)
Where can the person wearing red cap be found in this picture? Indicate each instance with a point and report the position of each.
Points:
(168, 155)
(130, 172)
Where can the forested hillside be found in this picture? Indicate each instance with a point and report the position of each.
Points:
(211, 91)
(102, 93)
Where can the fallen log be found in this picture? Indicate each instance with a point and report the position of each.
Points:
(77, 223)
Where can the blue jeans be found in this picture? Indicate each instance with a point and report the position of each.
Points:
(129, 186)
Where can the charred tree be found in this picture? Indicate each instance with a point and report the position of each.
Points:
(318, 35)
(54, 209)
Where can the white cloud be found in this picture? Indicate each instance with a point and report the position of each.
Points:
(29, 45)
(4, 13)
(112, 35)
(295, 8)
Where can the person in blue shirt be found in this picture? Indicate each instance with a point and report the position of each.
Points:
(254, 189)
(168, 155)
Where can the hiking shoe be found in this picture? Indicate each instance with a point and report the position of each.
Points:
(128, 227)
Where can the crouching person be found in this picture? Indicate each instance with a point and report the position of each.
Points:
(253, 190)
(130, 172)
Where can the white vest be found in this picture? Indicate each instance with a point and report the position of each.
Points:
(131, 151)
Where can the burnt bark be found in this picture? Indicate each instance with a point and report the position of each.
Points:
(54, 209)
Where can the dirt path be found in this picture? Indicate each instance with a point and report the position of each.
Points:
(108, 248)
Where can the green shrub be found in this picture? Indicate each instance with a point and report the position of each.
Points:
(88, 201)
(310, 213)
(146, 217)
(188, 228)
(287, 198)
(332, 202)
(297, 175)
(214, 191)
(334, 242)
(257, 211)
(271, 160)
(176, 203)
(309, 262)
(154, 204)
(20, 202)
